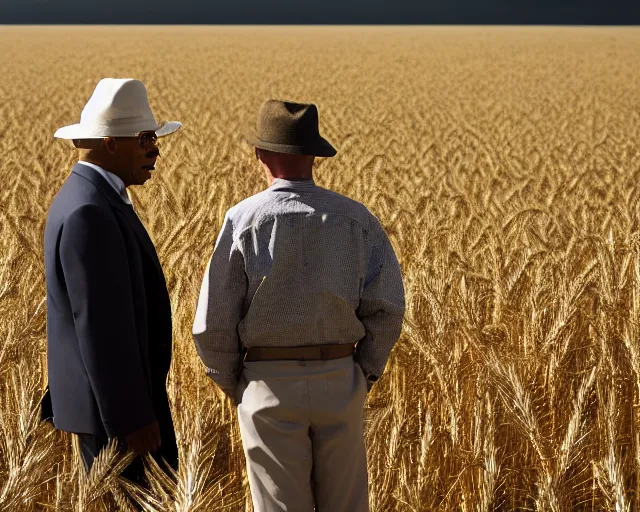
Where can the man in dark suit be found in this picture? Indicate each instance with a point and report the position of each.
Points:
(109, 315)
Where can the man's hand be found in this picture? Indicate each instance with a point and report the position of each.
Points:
(230, 392)
(371, 379)
(145, 439)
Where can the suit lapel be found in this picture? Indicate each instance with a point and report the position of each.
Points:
(143, 236)
(117, 202)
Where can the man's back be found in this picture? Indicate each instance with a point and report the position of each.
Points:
(305, 251)
(310, 257)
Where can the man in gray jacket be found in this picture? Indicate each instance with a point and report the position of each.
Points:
(300, 306)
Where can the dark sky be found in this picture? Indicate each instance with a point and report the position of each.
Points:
(516, 12)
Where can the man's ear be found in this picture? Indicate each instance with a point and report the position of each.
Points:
(109, 144)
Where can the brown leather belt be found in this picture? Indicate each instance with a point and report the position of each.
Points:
(306, 353)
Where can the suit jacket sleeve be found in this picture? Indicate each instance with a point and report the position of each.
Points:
(382, 303)
(96, 272)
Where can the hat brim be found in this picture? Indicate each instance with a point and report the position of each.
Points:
(74, 131)
(320, 147)
(168, 128)
(78, 131)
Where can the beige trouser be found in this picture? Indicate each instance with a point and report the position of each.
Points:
(301, 427)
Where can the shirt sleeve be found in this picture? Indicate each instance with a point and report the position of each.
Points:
(382, 304)
(219, 310)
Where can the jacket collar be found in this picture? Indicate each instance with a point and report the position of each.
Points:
(115, 180)
(107, 190)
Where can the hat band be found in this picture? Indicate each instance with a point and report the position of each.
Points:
(302, 139)
(120, 122)
(122, 127)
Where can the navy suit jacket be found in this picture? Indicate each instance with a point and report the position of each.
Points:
(108, 313)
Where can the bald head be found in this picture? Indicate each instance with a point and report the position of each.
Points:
(87, 143)
(90, 149)
(285, 166)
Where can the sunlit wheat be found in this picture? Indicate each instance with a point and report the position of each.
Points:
(503, 162)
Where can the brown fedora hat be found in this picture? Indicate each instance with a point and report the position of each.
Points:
(288, 127)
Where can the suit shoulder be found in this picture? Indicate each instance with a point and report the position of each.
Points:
(76, 191)
(90, 219)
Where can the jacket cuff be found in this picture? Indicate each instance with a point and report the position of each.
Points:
(120, 430)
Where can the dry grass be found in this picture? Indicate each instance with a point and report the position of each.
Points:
(504, 163)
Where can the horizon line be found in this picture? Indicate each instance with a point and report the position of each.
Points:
(261, 25)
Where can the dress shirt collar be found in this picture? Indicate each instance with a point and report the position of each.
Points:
(113, 180)
(297, 185)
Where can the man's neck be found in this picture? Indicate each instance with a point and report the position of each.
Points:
(105, 166)
(292, 175)
(271, 178)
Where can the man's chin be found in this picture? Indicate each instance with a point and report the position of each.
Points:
(144, 175)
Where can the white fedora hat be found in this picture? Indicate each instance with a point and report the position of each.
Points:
(118, 107)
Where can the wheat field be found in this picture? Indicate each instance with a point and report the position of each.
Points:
(504, 163)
